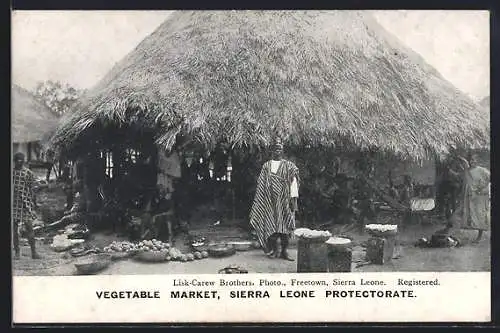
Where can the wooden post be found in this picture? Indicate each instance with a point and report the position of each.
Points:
(233, 203)
(28, 157)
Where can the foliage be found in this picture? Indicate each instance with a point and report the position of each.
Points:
(57, 96)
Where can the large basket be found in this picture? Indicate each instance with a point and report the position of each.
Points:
(93, 263)
(221, 250)
(152, 256)
(122, 255)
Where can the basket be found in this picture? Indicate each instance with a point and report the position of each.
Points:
(152, 256)
(221, 250)
(199, 248)
(93, 263)
(122, 255)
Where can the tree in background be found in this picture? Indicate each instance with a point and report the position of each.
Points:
(57, 96)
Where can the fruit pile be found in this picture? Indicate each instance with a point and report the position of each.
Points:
(152, 245)
(310, 234)
(156, 248)
(123, 246)
(382, 227)
(176, 255)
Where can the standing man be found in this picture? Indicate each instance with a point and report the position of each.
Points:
(169, 176)
(23, 204)
(273, 210)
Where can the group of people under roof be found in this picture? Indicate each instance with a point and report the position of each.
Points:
(276, 201)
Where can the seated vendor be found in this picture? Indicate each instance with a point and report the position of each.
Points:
(75, 215)
(158, 216)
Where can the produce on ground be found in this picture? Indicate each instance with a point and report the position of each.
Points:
(123, 246)
(308, 233)
(382, 227)
(154, 245)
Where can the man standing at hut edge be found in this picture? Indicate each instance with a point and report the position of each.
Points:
(273, 210)
(23, 204)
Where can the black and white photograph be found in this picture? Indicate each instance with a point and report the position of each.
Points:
(250, 141)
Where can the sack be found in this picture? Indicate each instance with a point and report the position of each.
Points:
(62, 243)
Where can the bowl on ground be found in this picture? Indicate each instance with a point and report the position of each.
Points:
(221, 250)
(93, 263)
(122, 255)
(152, 256)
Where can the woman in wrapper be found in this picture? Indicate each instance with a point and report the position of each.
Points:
(474, 210)
(273, 210)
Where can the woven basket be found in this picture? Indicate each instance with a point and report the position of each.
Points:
(122, 255)
(152, 256)
(93, 263)
(221, 250)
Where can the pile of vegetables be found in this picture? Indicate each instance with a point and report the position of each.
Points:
(176, 255)
(153, 245)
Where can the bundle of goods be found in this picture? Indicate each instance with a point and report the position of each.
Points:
(381, 230)
(77, 231)
(438, 241)
(61, 243)
(317, 235)
(121, 250)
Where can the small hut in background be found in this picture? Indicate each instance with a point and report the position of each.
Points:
(218, 86)
(32, 125)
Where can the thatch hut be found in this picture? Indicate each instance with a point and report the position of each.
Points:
(320, 79)
(32, 124)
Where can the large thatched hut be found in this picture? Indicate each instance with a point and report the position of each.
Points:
(329, 80)
(32, 124)
(485, 102)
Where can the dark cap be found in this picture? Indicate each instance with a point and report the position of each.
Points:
(19, 156)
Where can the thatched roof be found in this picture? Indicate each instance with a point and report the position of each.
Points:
(31, 119)
(316, 77)
(485, 102)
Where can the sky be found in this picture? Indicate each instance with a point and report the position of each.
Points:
(79, 48)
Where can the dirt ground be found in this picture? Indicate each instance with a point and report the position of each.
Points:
(468, 257)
